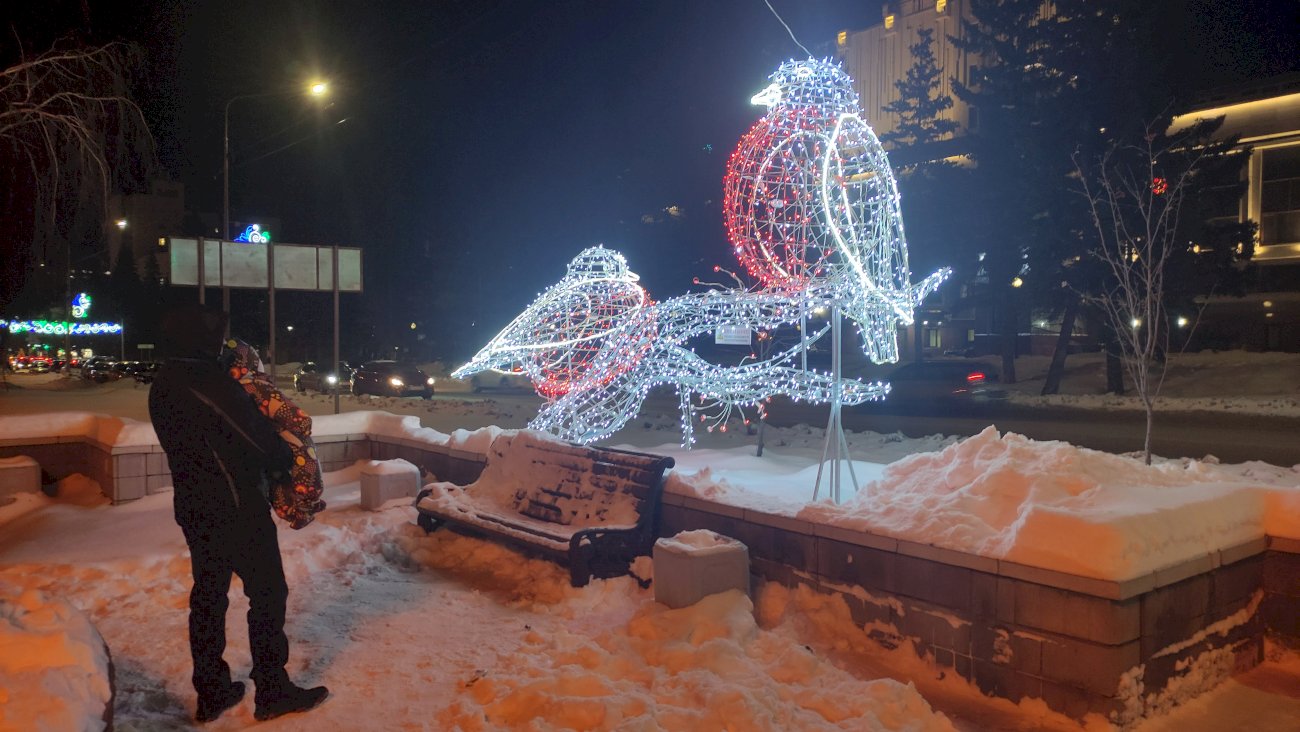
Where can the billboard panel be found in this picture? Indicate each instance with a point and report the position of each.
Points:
(244, 265)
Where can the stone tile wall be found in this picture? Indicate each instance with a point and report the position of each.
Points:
(1017, 631)
(128, 472)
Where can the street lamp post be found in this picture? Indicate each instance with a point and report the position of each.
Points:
(317, 89)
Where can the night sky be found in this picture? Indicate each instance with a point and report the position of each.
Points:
(478, 147)
(473, 148)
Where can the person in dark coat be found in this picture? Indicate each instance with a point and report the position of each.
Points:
(221, 450)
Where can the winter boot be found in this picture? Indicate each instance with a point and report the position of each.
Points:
(211, 706)
(285, 698)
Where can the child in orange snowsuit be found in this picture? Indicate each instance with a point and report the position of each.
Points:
(296, 497)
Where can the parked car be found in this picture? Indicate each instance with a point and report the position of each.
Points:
(943, 380)
(309, 376)
(144, 371)
(503, 380)
(105, 371)
(390, 378)
(89, 365)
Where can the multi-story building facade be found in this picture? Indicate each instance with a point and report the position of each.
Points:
(878, 56)
(139, 220)
(1266, 115)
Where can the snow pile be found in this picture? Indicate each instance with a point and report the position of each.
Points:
(53, 664)
(1052, 505)
(699, 543)
(703, 667)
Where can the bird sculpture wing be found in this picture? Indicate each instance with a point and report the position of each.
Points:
(861, 210)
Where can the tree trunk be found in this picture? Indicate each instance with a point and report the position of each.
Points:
(1057, 369)
(1009, 340)
(1114, 369)
(1146, 446)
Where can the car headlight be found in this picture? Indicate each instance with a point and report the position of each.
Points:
(396, 382)
(332, 379)
(429, 381)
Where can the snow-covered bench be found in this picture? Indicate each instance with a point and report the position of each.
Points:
(592, 509)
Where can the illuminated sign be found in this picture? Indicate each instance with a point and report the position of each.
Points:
(254, 235)
(80, 305)
(59, 327)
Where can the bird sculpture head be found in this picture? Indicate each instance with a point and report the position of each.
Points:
(810, 84)
(556, 340)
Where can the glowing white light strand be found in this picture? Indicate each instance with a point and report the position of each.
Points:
(812, 209)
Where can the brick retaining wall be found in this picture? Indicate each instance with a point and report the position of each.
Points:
(1015, 631)
(1079, 644)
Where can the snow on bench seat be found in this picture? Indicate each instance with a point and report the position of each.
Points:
(591, 508)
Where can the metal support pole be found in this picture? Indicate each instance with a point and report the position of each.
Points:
(836, 447)
(270, 300)
(202, 275)
(225, 210)
(338, 373)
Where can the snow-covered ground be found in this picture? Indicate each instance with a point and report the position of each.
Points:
(444, 632)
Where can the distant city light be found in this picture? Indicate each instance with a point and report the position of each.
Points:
(254, 235)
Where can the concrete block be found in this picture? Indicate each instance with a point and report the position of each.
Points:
(331, 452)
(1174, 613)
(936, 582)
(1075, 583)
(1282, 573)
(935, 627)
(856, 536)
(127, 488)
(19, 474)
(129, 465)
(1008, 647)
(1072, 702)
(157, 483)
(1183, 570)
(1073, 614)
(947, 556)
(358, 450)
(155, 463)
(869, 568)
(1006, 682)
(1089, 666)
(385, 480)
(694, 564)
(1232, 583)
(1242, 551)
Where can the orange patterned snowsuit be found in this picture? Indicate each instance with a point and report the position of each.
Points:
(296, 497)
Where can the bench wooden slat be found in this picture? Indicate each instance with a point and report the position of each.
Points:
(589, 493)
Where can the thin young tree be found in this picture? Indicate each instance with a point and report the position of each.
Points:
(1135, 196)
(920, 106)
(69, 135)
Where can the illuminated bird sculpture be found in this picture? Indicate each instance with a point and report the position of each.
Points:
(811, 208)
(810, 205)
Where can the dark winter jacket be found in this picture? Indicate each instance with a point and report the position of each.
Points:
(219, 447)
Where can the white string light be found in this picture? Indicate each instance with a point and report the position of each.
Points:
(811, 208)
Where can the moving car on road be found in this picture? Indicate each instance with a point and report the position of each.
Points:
(503, 380)
(390, 378)
(944, 381)
(310, 376)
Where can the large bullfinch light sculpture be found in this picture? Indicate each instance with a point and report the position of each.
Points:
(811, 208)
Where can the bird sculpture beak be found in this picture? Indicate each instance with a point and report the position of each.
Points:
(768, 97)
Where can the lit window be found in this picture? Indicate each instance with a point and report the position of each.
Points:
(889, 21)
(940, 5)
(842, 38)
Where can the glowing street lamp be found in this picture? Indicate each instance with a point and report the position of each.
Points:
(317, 89)
(121, 223)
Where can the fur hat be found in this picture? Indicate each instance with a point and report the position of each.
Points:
(193, 330)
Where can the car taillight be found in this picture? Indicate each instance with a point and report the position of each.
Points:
(975, 377)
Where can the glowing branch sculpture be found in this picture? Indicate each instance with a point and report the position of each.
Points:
(811, 208)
